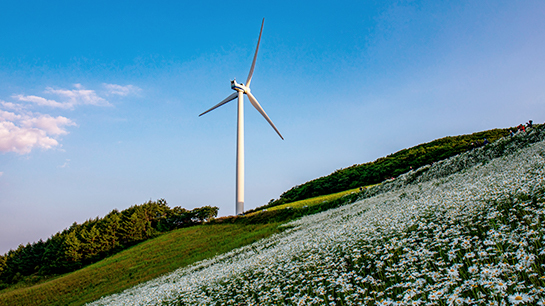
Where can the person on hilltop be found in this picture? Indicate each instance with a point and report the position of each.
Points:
(485, 142)
(530, 124)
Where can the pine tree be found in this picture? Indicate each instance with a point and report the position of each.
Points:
(91, 246)
(110, 236)
(51, 260)
(71, 251)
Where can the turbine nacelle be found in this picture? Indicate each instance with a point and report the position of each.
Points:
(239, 87)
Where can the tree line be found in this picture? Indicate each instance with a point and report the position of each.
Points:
(83, 244)
(387, 167)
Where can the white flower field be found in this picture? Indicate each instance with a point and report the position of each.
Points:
(464, 231)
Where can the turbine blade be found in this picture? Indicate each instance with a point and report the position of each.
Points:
(230, 98)
(254, 102)
(255, 56)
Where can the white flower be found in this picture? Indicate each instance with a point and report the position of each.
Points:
(473, 269)
(518, 298)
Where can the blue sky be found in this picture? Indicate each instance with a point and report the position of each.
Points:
(99, 101)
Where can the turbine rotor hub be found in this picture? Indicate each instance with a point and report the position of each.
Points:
(239, 87)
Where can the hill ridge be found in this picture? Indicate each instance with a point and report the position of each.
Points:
(388, 166)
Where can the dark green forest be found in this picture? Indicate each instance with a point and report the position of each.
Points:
(387, 167)
(84, 244)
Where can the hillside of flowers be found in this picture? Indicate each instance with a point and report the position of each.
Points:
(464, 231)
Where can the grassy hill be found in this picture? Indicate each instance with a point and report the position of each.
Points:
(138, 264)
(179, 248)
(464, 231)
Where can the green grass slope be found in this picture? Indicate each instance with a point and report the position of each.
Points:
(309, 202)
(138, 264)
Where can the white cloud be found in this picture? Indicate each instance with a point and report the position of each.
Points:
(43, 101)
(21, 133)
(65, 164)
(79, 96)
(8, 116)
(11, 106)
(114, 89)
(49, 124)
(22, 140)
(69, 98)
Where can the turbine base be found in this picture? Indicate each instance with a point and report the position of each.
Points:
(240, 208)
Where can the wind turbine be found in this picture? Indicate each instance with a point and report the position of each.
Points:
(240, 90)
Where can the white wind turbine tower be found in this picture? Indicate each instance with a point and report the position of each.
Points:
(240, 90)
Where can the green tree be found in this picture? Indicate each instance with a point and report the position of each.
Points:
(91, 245)
(179, 217)
(2, 264)
(51, 259)
(135, 227)
(3, 267)
(71, 251)
(109, 230)
(205, 213)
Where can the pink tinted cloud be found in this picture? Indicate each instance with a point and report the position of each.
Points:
(21, 133)
(22, 140)
(52, 125)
